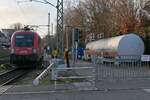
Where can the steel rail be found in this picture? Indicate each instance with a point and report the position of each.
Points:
(9, 76)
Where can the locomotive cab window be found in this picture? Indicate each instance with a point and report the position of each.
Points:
(24, 40)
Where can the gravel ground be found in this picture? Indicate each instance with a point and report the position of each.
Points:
(28, 79)
(4, 52)
(5, 67)
(4, 58)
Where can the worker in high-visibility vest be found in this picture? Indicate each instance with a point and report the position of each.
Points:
(66, 57)
(55, 53)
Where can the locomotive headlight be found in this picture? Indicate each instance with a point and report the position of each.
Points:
(34, 51)
(12, 51)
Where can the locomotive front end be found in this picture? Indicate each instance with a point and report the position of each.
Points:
(25, 47)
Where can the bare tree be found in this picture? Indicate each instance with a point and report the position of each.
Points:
(111, 17)
(17, 26)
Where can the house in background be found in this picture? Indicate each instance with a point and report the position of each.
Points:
(8, 32)
(3, 39)
(93, 37)
(5, 36)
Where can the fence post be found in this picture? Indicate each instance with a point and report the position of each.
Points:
(54, 74)
(55, 80)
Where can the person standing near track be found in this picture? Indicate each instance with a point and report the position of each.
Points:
(66, 56)
(55, 53)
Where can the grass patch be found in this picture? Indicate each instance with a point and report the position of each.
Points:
(4, 67)
(48, 80)
(4, 52)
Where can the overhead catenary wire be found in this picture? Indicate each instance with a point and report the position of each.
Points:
(23, 13)
(20, 9)
(45, 33)
(44, 2)
(41, 32)
(31, 1)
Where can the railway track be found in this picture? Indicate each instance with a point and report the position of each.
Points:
(10, 76)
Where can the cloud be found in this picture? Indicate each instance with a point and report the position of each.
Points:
(26, 14)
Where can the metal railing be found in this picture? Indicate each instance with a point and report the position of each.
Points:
(74, 73)
(121, 68)
(53, 64)
(43, 74)
(104, 68)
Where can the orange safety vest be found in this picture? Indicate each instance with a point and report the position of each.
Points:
(66, 55)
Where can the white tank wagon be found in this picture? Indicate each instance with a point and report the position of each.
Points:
(124, 45)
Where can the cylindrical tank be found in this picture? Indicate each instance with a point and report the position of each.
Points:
(130, 44)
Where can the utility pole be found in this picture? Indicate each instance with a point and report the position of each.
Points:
(52, 38)
(49, 24)
(60, 35)
(67, 29)
(49, 35)
(67, 34)
(52, 29)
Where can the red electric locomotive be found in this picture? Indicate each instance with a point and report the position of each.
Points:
(26, 47)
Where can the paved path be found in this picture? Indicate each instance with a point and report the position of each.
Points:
(42, 93)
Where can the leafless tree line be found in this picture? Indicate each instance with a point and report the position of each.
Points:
(111, 17)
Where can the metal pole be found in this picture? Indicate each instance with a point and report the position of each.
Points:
(52, 29)
(62, 26)
(67, 44)
(52, 36)
(60, 35)
(49, 38)
(57, 34)
(73, 45)
(48, 23)
(76, 50)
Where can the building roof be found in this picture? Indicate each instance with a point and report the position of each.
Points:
(2, 34)
(8, 32)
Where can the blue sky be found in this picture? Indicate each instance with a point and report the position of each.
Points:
(26, 13)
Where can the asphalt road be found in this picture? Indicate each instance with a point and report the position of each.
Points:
(139, 94)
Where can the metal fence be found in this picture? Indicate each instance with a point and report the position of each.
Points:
(121, 68)
(39, 78)
(74, 77)
(85, 76)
